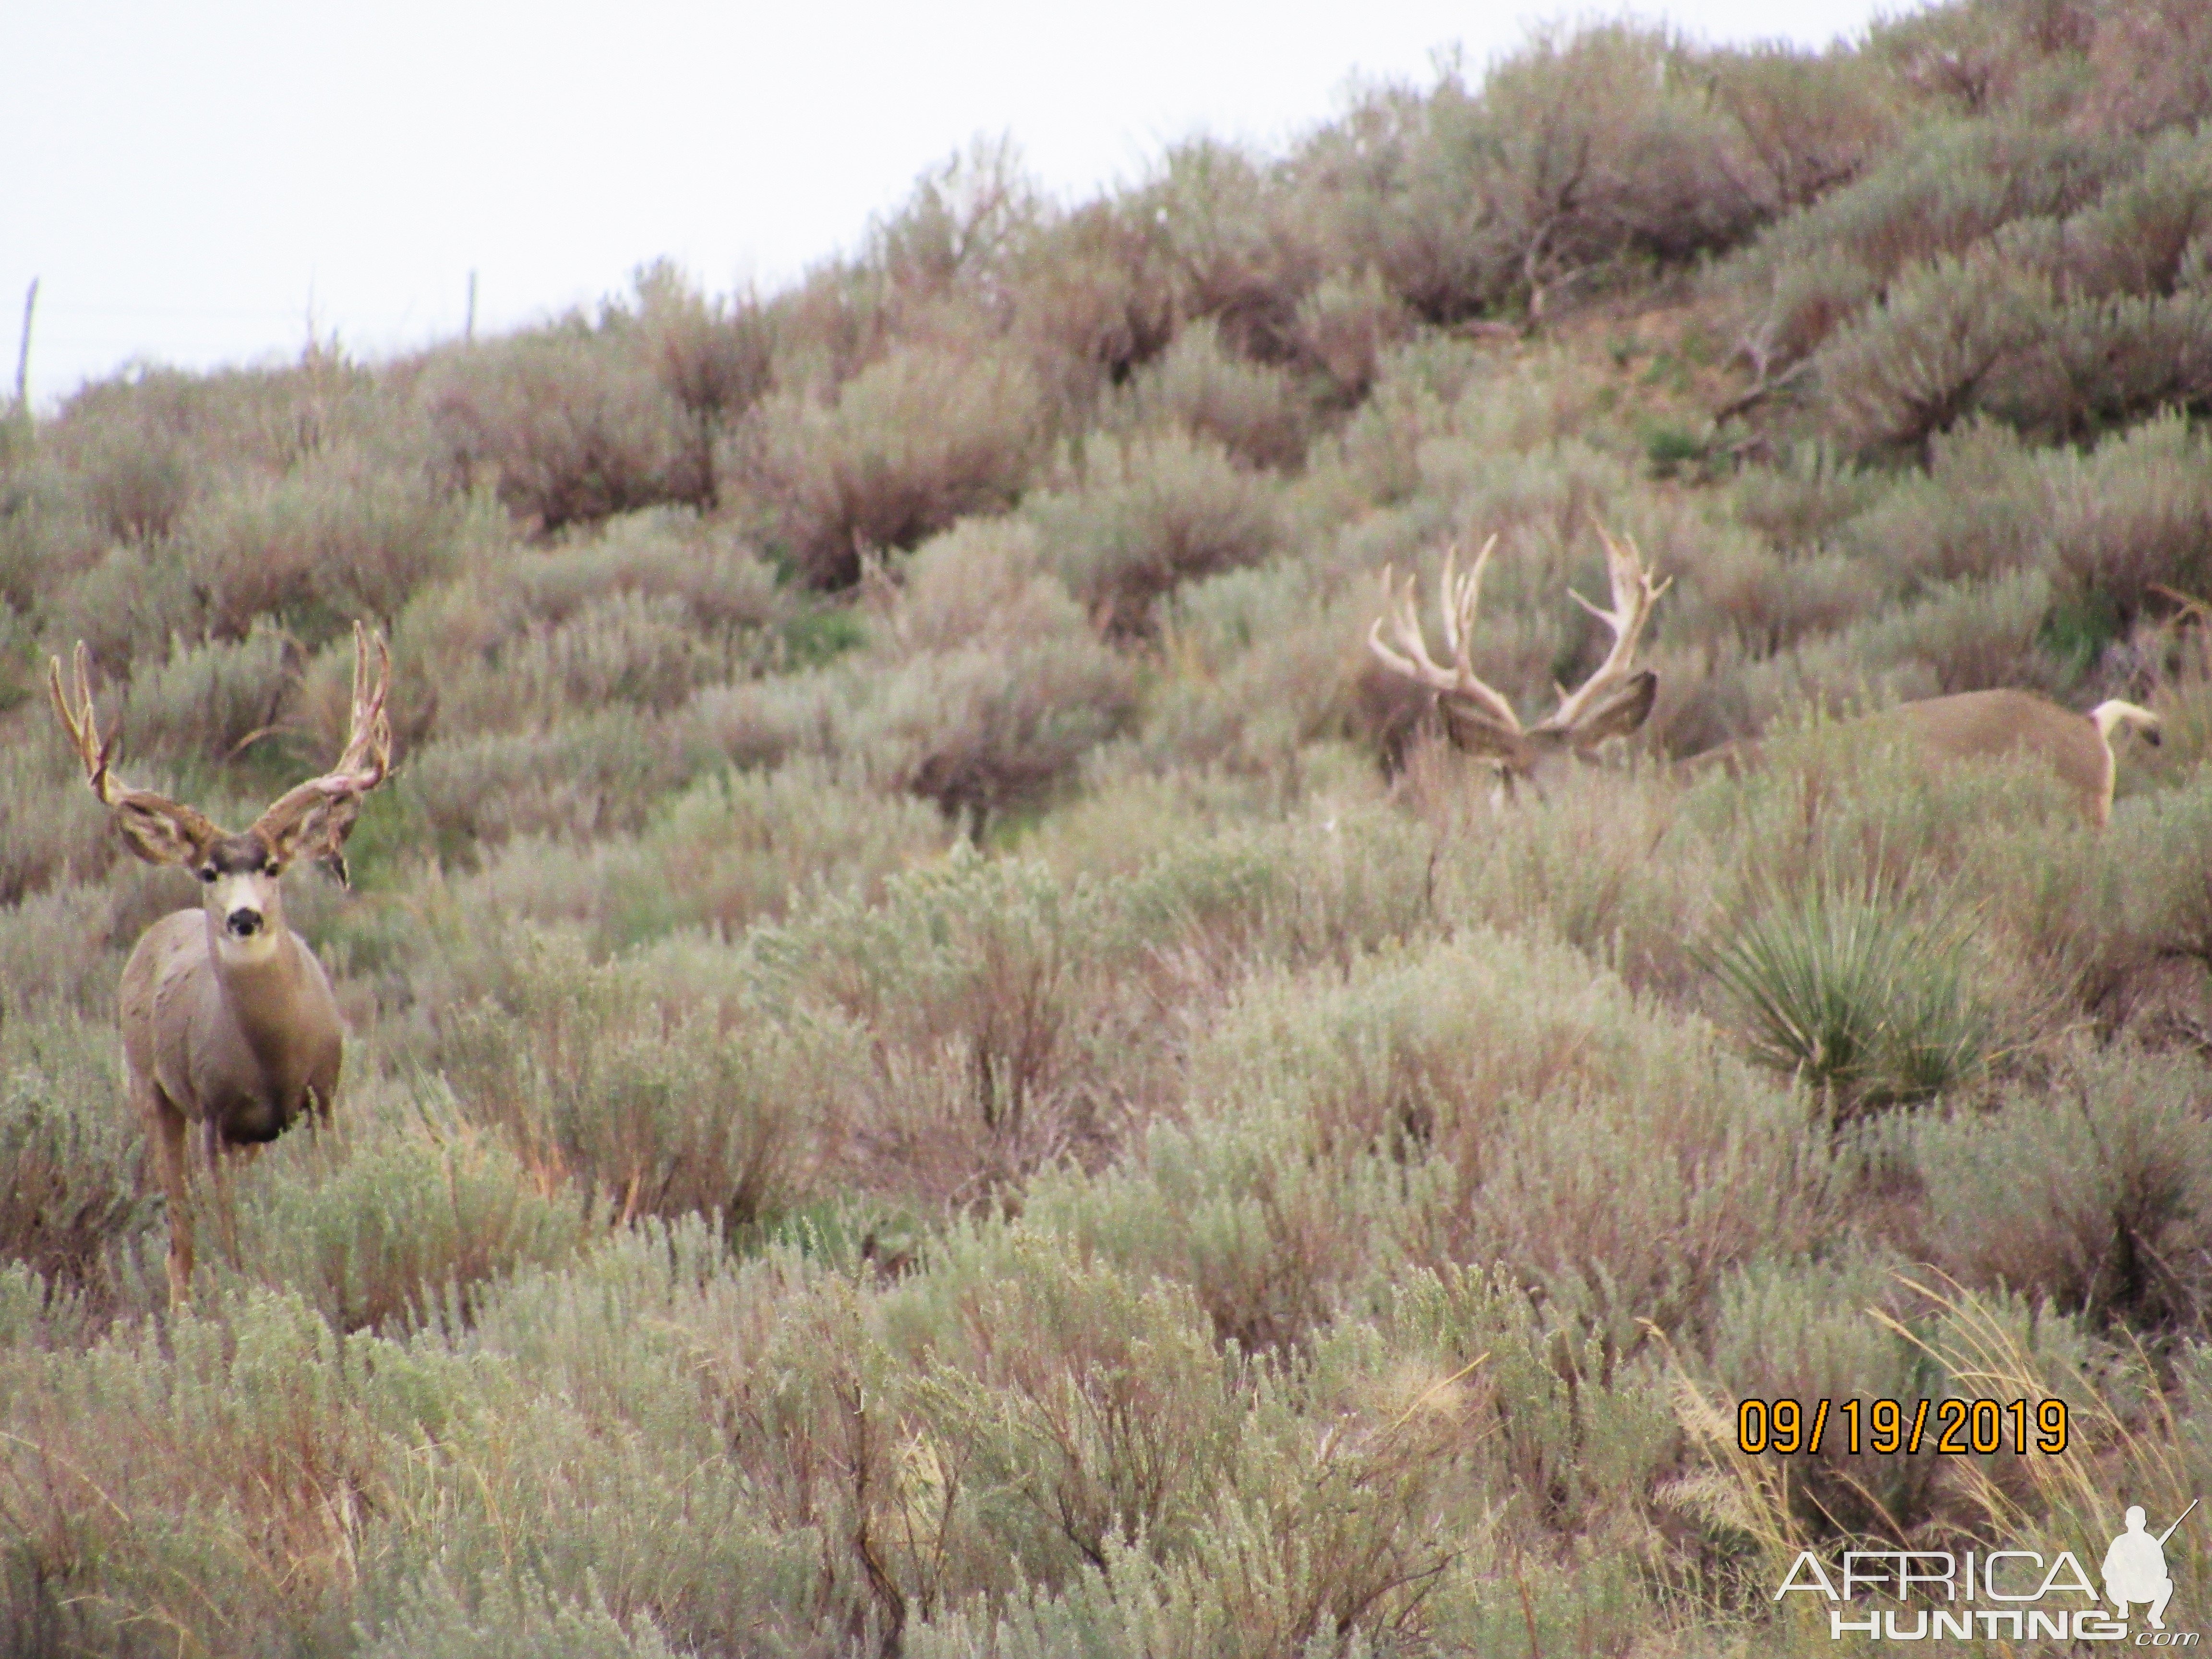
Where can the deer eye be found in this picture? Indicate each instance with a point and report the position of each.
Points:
(207, 873)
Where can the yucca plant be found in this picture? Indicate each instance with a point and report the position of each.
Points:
(1846, 989)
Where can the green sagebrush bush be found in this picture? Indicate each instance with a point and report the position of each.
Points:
(912, 442)
(568, 425)
(1981, 510)
(70, 1199)
(1994, 331)
(1082, 1409)
(726, 852)
(1142, 1479)
(1250, 409)
(1348, 325)
(51, 827)
(1917, 362)
(2134, 513)
(1839, 1329)
(1476, 1102)
(715, 358)
(1574, 152)
(1805, 497)
(1147, 514)
(656, 1111)
(660, 553)
(623, 651)
(1971, 636)
(510, 1621)
(128, 604)
(139, 449)
(591, 775)
(207, 701)
(572, 1396)
(996, 1018)
(344, 536)
(1573, 1430)
(1256, 664)
(990, 685)
(2094, 1193)
(47, 534)
(1922, 203)
(64, 948)
(383, 1223)
(1811, 123)
(1094, 297)
(1770, 602)
(1234, 251)
(980, 686)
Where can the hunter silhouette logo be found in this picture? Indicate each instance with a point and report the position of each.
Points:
(2023, 1595)
(2134, 1567)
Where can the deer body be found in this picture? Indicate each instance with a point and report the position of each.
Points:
(241, 1047)
(229, 1023)
(1994, 724)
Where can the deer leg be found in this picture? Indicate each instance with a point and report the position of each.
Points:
(166, 1127)
(226, 1208)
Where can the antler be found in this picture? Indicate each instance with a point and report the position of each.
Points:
(321, 812)
(84, 728)
(157, 829)
(1634, 593)
(1458, 597)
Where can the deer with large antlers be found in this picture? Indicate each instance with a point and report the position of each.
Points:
(1966, 725)
(229, 1023)
(1613, 702)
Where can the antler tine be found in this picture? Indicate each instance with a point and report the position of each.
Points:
(1634, 593)
(155, 828)
(83, 724)
(322, 809)
(1402, 616)
(369, 737)
(1459, 596)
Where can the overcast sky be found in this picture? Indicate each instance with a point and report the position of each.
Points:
(191, 183)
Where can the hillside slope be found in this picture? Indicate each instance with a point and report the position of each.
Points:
(943, 1066)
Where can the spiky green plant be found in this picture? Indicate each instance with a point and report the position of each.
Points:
(1848, 991)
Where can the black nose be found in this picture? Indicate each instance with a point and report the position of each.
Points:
(243, 923)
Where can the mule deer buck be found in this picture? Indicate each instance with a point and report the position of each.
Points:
(1614, 702)
(228, 1024)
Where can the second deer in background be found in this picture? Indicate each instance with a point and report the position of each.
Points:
(1615, 701)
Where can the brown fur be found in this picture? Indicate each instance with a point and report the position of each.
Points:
(1972, 726)
(242, 1049)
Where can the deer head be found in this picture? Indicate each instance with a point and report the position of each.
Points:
(1611, 703)
(239, 871)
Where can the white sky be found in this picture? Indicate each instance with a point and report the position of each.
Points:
(190, 182)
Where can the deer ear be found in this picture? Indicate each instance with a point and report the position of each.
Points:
(1473, 731)
(319, 832)
(162, 832)
(1618, 711)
